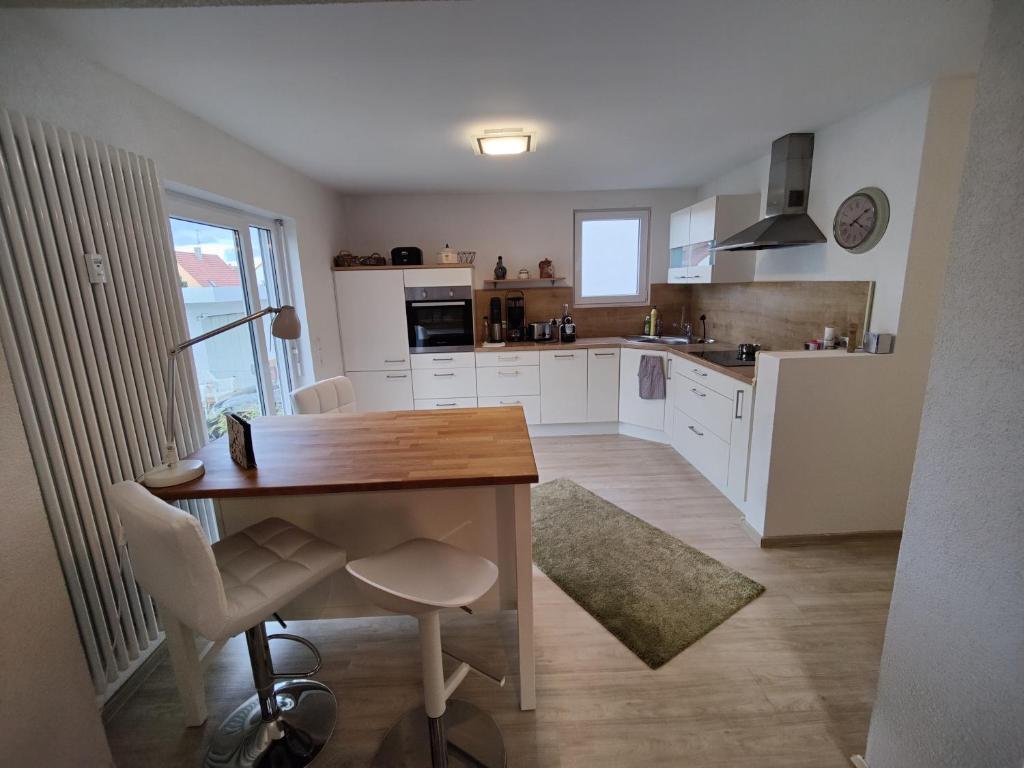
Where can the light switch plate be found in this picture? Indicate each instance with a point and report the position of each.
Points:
(97, 267)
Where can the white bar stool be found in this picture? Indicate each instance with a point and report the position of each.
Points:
(419, 578)
(231, 587)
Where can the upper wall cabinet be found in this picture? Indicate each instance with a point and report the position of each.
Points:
(694, 231)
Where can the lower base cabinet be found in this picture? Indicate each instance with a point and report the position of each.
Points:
(563, 386)
(632, 409)
(529, 403)
(382, 390)
(701, 447)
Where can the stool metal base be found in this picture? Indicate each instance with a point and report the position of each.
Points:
(309, 712)
(474, 739)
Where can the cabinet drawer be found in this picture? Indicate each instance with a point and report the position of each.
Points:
(382, 390)
(443, 360)
(453, 382)
(706, 406)
(522, 357)
(508, 380)
(530, 405)
(706, 377)
(445, 402)
(699, 446)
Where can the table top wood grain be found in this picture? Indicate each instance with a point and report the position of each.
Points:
(391, 450)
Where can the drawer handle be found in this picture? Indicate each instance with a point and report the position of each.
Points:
(395, 361)
(696, 431)
(442, 375)
(699, 372)
(445, 405)
(508, 373)
(668, 368)
(739, 403)
(442, 359)
(604, 354)
(511, 402)
(508, 357)
(397, 375)
(569, 355)
(698, 393)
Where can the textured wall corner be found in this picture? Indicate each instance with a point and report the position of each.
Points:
(951, 690)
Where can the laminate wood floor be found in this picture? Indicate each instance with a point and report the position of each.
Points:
(788, 681)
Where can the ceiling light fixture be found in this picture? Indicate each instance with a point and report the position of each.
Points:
(504, 141)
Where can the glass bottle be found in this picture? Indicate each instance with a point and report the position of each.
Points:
(500, 270)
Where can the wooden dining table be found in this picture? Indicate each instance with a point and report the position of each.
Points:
(369, 481)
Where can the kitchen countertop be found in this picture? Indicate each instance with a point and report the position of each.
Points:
(745, 374)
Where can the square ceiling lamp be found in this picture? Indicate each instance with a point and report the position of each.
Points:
(504, 141)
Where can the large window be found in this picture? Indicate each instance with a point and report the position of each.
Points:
(611, 257)
(227, 267)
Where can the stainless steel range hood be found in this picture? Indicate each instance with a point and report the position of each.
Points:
(786, 222)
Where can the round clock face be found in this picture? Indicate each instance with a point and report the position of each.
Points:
(861, 220)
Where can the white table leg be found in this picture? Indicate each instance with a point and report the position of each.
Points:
(514, 504)
(188, 672)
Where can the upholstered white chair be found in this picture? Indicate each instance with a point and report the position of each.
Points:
(328, 396)
(422, 577)
(230, 587)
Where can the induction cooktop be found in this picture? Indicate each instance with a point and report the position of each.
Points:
(727, 358)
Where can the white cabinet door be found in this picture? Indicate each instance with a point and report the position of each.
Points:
(633, 410)
(603, 385)
(382, 390)
(563, 387)
(739, 444)
(371, 318)
(679, 228)
(529, 403)
(429, 278)
(702, 221)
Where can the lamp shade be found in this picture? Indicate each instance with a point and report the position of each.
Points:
(286, 325)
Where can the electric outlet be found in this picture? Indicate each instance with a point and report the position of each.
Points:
(97, 266)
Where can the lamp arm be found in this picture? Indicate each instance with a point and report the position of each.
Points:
(170, 452)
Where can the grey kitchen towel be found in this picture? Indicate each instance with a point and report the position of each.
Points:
(652, 377)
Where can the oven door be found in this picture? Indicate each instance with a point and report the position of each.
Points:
(439, 317)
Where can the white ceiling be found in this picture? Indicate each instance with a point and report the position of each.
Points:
(627, 94)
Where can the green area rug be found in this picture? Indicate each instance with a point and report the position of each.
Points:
(649, 589)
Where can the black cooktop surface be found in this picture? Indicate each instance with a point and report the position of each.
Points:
(728, 359)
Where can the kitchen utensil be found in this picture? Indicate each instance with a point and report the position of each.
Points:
(447, 256)
(543, 331)
(496, 332)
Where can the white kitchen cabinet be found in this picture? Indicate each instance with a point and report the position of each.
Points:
(694, 231)
(679, 228)
(529, 403)
(563, 386)
(603, 385)
(701, 447)
(632, 409)
(739, 443)
(432, 383)
(371, 318)
(426, 277)
(382, 390)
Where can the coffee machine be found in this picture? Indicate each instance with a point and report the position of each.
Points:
(495, 329)
(515, 316)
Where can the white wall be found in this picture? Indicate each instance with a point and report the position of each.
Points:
(524, 227)
(48, 710)
(880, 147)
(835, 434)
(41, 77)
(951, 687)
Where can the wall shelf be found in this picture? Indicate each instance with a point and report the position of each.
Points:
(537, 282)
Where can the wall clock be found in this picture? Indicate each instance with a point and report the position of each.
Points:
(861, 220)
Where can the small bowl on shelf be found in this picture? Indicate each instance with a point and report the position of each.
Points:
(467, 257)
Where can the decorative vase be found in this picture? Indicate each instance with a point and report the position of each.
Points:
(524, 274)
(500, 271)
(546, 269)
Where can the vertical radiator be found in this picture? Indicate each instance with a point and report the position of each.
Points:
(88, 359)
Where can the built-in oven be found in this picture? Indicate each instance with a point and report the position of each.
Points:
(440, 317)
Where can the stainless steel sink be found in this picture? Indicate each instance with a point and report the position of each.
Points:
(671, 341)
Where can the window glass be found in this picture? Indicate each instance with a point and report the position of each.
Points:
(611, 257)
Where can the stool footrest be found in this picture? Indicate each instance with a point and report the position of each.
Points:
(301, 641)
(455, 679)
(499, 681)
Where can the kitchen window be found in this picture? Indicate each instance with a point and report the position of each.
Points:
(611, 257)
(229, 266)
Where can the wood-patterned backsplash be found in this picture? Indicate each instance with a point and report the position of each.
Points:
(780, 315)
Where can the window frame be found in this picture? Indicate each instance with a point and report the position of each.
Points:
(639, 299)
(182, 206)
